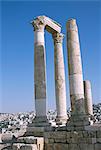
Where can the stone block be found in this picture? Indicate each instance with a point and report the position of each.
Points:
(36, 131)
(59, 140)
(74, 134)
(92, 134)
(82, 140)
(61, 146)
(97, 147)
(73, 137)
(22, 146)
(49, 147)
(93, 127)
(68, 135)
(90, 147)
(74, 140)
(46, 140)
(20, 133)
(8, 138)
(51, 141)
(98, 140)
(38, 141)
(51, 24)
(15, 147)
(64, 128)
(98, 134)
(70, 128)
(69, 140)
(79, 123)
(49, 129)
(56, 134)
(94, 140)
(85, 147)
(89, 140)
(73, 147)
(85, 134)
(79, 128)
(47, 135)
(5, 146)
(31, 140)
(28, 147)
(80, 134)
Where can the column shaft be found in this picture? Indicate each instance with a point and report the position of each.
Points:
(60, 87)
(75, 69)
(88, 98)
(39, 69)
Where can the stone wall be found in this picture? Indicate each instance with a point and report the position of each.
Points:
(73, 140)
(18, 146)
(23, 143)
(61, 138)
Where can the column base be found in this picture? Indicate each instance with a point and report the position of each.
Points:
(78, 122)
(61, 120)
(40, 121)
(38, 126)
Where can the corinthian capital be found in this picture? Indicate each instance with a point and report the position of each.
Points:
(58, 37)
(38, 24)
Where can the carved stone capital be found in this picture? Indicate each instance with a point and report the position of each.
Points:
(38, 24)
(58, 37)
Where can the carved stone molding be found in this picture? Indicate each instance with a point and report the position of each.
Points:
(58, 37)
(38, 24)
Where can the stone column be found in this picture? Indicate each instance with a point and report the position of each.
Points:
(75, 69)
(39, 69)
(60, 87)
(88, 98)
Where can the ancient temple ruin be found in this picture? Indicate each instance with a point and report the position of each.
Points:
(40, 24)
(77, 132)
(75, 71)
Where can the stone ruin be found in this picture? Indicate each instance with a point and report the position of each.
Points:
(75, 133)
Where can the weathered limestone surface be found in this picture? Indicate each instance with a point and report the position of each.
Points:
(74, 140)
(60, 87)
(88, 97)
(24, 143)
(39, 68)
(87, 139)
(76, 135)
(8, 137)
(50, 25)
(75, 69)
(40, 24)
(24, 147)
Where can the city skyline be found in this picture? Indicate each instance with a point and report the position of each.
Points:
(17, 50)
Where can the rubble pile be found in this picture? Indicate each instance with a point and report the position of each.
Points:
(97, 112)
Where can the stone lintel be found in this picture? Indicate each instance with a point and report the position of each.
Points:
(50, 25)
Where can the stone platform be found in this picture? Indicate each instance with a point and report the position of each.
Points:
(69, 139)
(59, 138)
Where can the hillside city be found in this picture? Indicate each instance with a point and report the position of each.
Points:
(14, 122)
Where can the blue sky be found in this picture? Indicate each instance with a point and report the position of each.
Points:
(17, 49)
